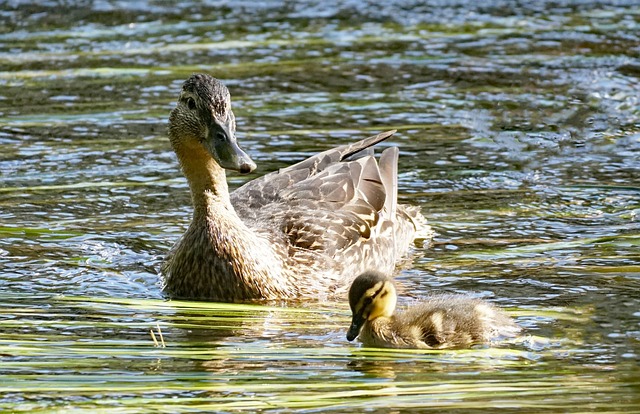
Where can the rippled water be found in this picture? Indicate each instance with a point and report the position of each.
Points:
(520, 139)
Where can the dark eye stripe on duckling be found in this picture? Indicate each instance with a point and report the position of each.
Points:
(376, 289)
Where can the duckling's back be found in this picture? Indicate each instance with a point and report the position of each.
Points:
(452, 321)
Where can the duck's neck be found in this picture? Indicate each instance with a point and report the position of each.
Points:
(207, 181)
(219, 255)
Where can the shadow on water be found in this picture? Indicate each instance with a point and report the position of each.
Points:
(519, 134)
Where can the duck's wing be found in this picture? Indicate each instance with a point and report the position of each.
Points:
(268, 189)
(335, 208)
(327, 202)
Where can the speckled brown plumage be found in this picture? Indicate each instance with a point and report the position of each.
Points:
(301, 232)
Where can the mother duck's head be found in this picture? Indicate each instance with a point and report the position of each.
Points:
(203, 119)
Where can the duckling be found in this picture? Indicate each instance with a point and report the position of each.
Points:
(443, 321)
(303, 231)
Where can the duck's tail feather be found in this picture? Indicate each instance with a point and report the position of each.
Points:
(348, 150)
(319, 162)
(389, 176)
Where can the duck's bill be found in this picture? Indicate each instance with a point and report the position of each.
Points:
(224, 148)
(231, 157)
(354, 329)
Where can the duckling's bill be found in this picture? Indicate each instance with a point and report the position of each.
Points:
(357, 321)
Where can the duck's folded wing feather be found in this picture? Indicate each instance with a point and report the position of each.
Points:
(265, 190)
(335, 208)
(319, 204)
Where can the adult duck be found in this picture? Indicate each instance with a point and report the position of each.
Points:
(301, 232)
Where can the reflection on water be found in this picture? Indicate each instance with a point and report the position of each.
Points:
(520, 139)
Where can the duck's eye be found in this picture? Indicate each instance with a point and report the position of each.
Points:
(191, 103)
(221, 136)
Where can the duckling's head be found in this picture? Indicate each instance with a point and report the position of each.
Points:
(371, 296)
(203, 121)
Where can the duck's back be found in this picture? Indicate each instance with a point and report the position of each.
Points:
(333, 213)
(450, 321)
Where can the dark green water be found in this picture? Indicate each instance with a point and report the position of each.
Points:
(519, 130)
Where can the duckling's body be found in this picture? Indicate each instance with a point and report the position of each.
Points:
(300, 232)
(441, 321)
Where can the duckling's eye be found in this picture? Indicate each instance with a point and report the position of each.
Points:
(221, 136)
(367, 301)
(191, 103)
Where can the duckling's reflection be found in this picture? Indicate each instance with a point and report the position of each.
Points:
(373, 367)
